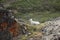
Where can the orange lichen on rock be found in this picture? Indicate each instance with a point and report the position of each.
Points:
(3, 26)
(14, 29)
(8, 23)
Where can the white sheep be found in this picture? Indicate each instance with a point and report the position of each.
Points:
(34, 22)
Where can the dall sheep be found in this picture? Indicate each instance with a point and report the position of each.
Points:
(34, 22)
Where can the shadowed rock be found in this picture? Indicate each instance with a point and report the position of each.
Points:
(9, 27)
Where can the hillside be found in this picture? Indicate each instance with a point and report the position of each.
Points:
(39, 10)
(43, 9)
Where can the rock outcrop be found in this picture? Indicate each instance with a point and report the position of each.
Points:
(52, 30)
(9, 27)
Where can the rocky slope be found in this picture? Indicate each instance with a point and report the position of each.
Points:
(51, 31)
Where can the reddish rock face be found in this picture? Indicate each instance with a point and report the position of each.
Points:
(7, 23)
(14, 29)
(3, 25)
(9, 28)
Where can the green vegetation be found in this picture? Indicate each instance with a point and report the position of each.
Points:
(39, 16)
(39, 10)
